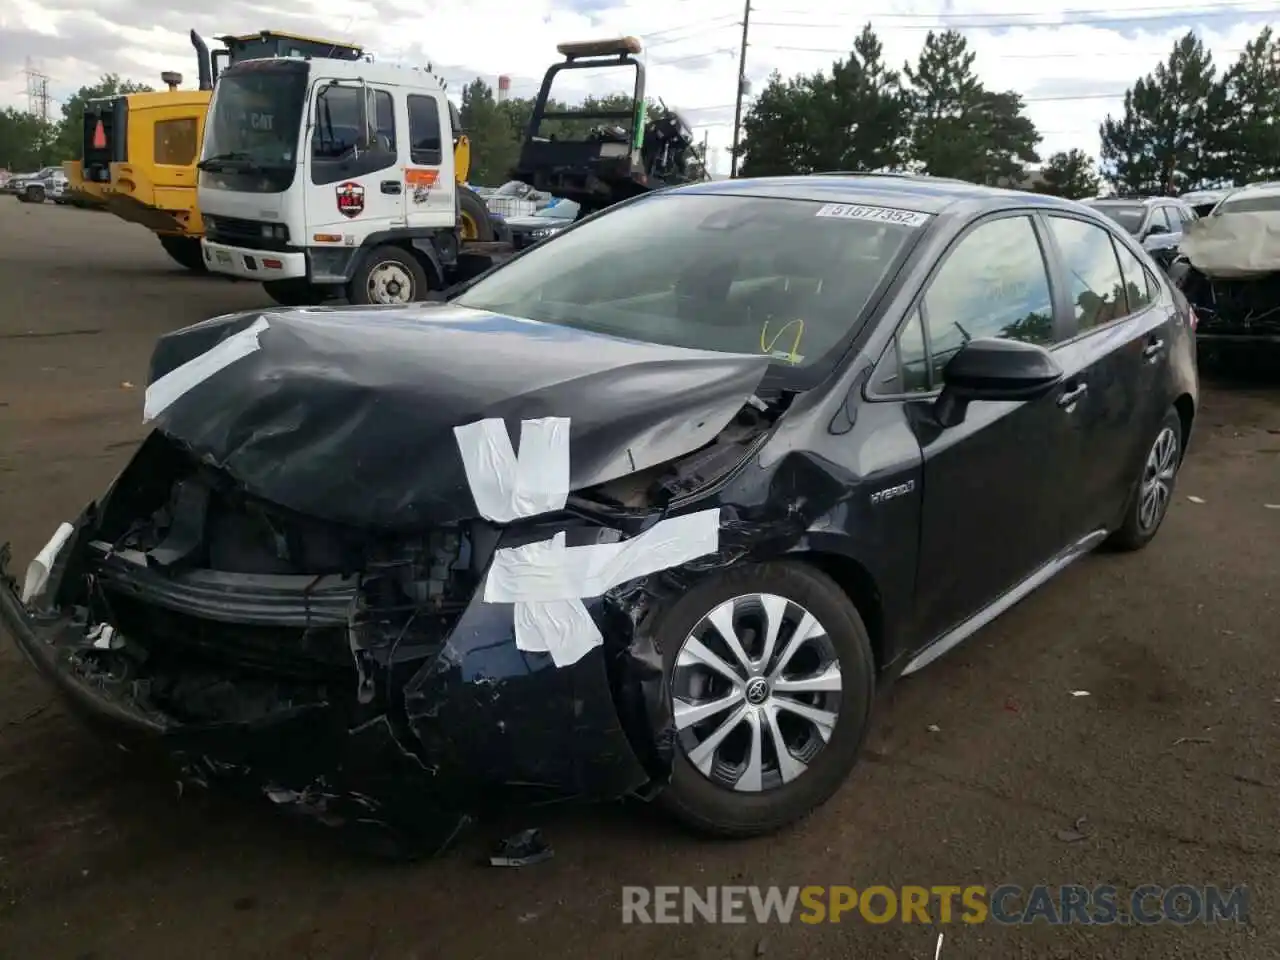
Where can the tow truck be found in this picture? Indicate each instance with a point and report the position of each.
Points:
(326, 179)
(140, 148)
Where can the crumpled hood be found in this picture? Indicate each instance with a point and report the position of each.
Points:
(347, 414)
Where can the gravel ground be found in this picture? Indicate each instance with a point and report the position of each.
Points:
(975, 768)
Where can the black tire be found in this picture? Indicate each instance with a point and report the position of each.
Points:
(719, 810)
(471, 205)
(1136, 532)
(295, 293)
(185, 252)
(35, 194)
(409, 271)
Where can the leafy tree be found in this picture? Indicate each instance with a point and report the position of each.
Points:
(27, 143)
(71, 130)
(853, 119)
(1243, 135)
(959, 128)
(1161, 143)
(1069, 173)
(494, 146)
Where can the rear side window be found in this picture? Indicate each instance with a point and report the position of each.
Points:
(1139, 286)
(1095, 283)
(424, 131)
(176, 141)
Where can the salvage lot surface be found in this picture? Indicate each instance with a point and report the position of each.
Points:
(973, 769)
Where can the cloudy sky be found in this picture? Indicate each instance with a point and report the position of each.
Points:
(1070, 62)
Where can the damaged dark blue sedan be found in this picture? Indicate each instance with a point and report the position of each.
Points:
(650, 511)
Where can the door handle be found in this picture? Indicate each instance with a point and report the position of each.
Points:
(391, 186)
(1069, 398)
(1153, 347)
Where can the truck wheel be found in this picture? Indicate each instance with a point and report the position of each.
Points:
(185, 251)
(35, 194)
(473, 217)
(295, 293)
(388, 275)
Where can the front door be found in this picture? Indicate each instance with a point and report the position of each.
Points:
(993, 484)
(352, 192)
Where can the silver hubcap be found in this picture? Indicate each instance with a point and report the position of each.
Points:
(390, 282)
(1157, 479)
(756, 692)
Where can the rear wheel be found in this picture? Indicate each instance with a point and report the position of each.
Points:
(474, 221)
(295, 293)
(1149, 502)
(388, 275)
(185, 251)
(35, 194)
(771, 679)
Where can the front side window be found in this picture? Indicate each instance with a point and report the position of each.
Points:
(424, 131)
(176, 141)
(252, 130)
(780, 277)
(1093, 273)
(336, 134)
(994, 283)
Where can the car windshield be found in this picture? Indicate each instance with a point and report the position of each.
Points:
(564, 210)
(1247, 204)
(786, 278)
(255, 116)
(1128, 215)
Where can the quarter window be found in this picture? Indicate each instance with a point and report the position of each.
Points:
(993, 284)
(177, 141)
(424, 131)
(1093, 273)
(1140, 289)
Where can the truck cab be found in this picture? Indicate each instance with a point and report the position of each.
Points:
(327, 178)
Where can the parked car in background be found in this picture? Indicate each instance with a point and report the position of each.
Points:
(48, 183)
(1157, 222)
(1203, 201)
(1229, 269)
(787, 440)
(542, 225)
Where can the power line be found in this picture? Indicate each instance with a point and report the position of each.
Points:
(1162, 11)
(1014, 24)
(1130, 54)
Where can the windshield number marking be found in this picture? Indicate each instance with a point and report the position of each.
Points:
(856, 211)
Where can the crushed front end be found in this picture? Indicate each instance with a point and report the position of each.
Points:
(352, 676)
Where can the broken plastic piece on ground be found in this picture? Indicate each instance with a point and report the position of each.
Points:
(1196, 499)
(1080, 693)
(522, 849)
(1075, 834)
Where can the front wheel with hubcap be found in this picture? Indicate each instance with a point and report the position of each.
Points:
(771, 678)
(388, 275)
(1149, 501)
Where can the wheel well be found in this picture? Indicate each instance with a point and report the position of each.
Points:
(1186, 413)
(434, 280)
(853, 578)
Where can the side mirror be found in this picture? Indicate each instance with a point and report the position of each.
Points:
(367, 138)
(993, 370)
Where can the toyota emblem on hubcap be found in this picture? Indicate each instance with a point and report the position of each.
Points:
(757, 691)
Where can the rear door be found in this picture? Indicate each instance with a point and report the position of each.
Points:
(1117, 349)
(994, 484)
(352, 192)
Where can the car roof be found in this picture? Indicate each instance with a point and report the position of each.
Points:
(1145, 201)
(919, 193)
(1270, 188)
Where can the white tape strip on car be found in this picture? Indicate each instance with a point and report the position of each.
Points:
(195, 371)
(547, 580)
(507, 486)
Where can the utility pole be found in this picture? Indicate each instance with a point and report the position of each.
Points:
(742, 82)
(37, 91)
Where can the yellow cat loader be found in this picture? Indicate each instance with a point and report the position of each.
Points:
(140, 149)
